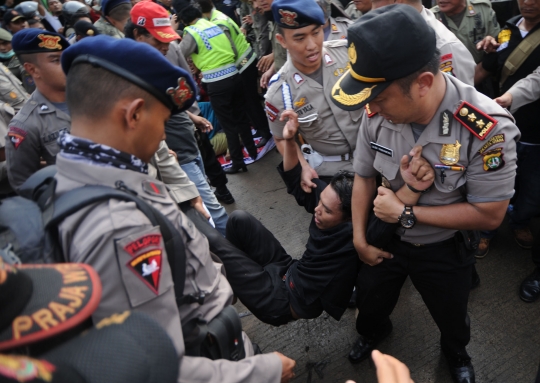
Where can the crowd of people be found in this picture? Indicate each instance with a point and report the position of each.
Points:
(407, 129)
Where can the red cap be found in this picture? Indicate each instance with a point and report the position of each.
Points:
(155, 19)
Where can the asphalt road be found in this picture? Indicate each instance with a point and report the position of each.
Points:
(505, 332)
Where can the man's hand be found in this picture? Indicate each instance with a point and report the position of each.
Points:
(488, 45)
(308, 173)
(287, 372)
(371, 255)
(197, 203)
(173, 153)
(417, 172)
(505, 100)
(387, 206)
(265, 62)
(265, 78)
(202, 124)
(291, 127)
(389, 369)
(248, 19)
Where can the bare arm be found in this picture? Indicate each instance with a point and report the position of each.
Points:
(480, 74)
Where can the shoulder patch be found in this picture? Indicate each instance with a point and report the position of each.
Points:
(155, 189)
(327, 59)
(477, 122)
(504, 36)
(446, 64)
(16, 136)
(298, 79)
(335, 43)
(493, 160)
(143, 242)
(496, 139)
(273, 79)
(147, 267)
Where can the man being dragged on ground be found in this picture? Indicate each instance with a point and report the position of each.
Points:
(273, 285)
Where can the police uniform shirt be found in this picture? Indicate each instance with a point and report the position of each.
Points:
(479, 21)
(525, 90)
(11, 89)
(330, 130)
(338, 28)
(32, 134)
(128, 253)
(510, 37)
(490, 164)
(455, 58)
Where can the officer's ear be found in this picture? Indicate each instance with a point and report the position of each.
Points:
(133, 112)
(425, 82)
(281, 40)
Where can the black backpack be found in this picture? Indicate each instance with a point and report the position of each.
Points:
(29, 223)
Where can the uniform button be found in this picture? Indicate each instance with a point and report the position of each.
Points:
(450, 188)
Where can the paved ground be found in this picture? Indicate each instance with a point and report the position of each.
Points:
(505, 343)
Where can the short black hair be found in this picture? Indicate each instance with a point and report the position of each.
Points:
(206, 5)
(189, 13)
(129, 30)
(93, 91)
(433, 66)
(342, 183)
(120, 12)
(28, 58)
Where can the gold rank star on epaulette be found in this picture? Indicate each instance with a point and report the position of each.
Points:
(479, 123)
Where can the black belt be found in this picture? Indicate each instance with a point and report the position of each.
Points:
(426, 245)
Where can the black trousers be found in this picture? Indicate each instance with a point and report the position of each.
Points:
(535, 251)
(253, 102)
(255, 273)
(227, 100)
(212, 167)
(441, 276)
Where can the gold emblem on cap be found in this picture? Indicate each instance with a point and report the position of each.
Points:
(288, 18)
(463, 112)
(352, 53)
(49, 42)
(471, 117)
(450, 153)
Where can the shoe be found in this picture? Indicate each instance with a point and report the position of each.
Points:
(530, 287)
(462, 371)
(254, 155)
(524, 237)
(224, 195)
(262, 142)
(235, 169)
(362, 347)
(475, 279)
(483, 248)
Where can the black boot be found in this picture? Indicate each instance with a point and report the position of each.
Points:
(530, 287)
(224, 195)
(363, 346)
(235, 168)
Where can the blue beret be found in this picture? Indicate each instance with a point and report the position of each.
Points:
(294, 14)
(33, 40)
(138, 63)
(108, 5)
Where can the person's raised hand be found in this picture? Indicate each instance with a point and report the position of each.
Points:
(416, 172)
(291, 127)
(389, 369)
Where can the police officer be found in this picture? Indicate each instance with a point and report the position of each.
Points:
(14, 21)
(335, 28)
(10, 60)
(304, 83)
(114, 16)
(11, 89)
(455, 58)
(356, 8)
(35, 129)
(469, 20)
(6, 114)
(468, 140)
(246, 62)
(116, 239)
(211, 52)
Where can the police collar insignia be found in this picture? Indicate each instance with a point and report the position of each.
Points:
(368, 111)
(43, 107)
(476, 121)
(327, 59)
(334, 28)
(450, 153)
(147, 267)
(49, 42)
(298, 79)
(288, 18)
(155, 189)
(181, 93)
(444, 129)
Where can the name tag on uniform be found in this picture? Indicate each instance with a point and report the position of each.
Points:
(382, 149)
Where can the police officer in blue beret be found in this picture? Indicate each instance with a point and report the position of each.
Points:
(120, 94)
(34, 130)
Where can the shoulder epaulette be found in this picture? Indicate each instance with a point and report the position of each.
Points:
(476, 121)
(26, 111)
(335, 43)
(273, 79)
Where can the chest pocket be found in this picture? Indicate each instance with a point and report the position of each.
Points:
(49, 140)
(388, 169)
(143, 266)
(310, 122)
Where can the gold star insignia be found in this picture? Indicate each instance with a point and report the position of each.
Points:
(471, 117)
(480, 124)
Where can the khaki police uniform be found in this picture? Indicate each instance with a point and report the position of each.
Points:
(6, 114)
(11, 89)
(106, 28)
(352, 11)
(115, 237)
(32, 134)
(525, 90)
(479, 21)
(455, 58)
(338, 28)
(330, 130)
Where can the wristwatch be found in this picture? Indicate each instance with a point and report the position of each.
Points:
(407, 218)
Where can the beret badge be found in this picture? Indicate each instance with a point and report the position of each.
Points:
(287, 18)
(181, 93)
(49, 42)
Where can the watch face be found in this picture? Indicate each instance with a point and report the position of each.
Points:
(407, 221)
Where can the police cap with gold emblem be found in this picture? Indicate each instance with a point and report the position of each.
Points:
(138, 63)
(385, 45)
(294, 14)
(33, 40)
